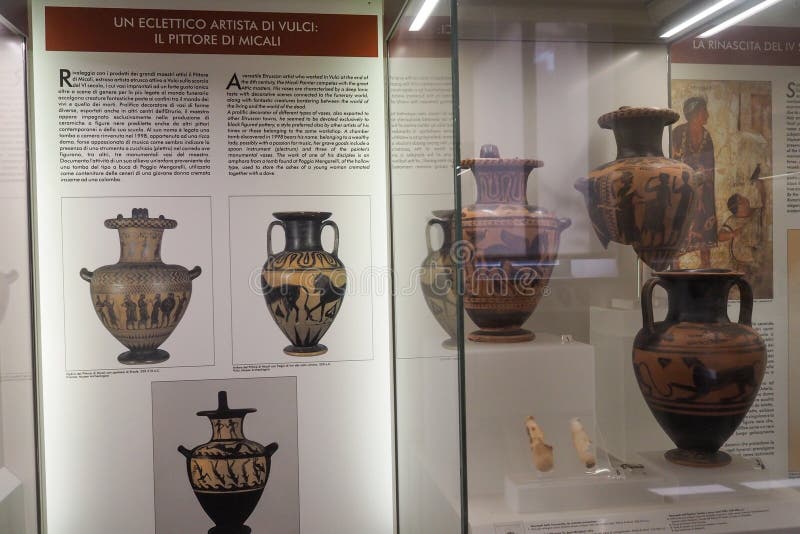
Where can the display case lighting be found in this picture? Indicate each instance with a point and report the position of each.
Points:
(422, 15)
(693, 20)
(736, 19)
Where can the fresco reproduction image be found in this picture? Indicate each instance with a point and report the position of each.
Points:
(725, 135)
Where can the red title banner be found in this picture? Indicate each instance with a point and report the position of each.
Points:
(742, 45)
(86, 29)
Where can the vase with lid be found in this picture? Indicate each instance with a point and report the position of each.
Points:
(303, 285)
(642, 198)
(438, 275)
(699, 372)
(510, 248)
(140, 299)
(229, 472)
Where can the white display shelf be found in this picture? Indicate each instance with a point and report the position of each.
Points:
(652, 496)
(505, 383)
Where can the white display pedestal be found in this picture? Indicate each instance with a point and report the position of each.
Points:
(650, 496)
(622, 415)
(696, 483)
(546, 378)
(606, 487)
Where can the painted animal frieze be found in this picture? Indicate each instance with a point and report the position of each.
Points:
(699, 372)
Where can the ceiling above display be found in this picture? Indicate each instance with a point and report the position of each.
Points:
(641, 21)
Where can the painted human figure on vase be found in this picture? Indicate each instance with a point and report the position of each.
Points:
(693, 145)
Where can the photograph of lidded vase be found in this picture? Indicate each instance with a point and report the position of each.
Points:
(303, 285)
(140, 299)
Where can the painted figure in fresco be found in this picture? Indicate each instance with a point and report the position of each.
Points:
(744, 229)
(693, 145)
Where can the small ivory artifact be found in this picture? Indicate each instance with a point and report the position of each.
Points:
(583, 445)
(541, 451)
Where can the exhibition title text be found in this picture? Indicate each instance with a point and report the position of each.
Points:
(201, 31)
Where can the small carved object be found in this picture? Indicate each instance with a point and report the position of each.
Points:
(582, 443)
(438, 279)
(542, 452)
(511, 248)
(698, 371)
(303, 285)
(228, 474)
(140, 300)
(642, 198)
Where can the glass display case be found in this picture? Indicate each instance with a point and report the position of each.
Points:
(596, 249)
(18, 476)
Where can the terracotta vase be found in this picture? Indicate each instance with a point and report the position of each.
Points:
(699, 372)
(140, 299)
(511, 248)
(438, 276)
(642, 198)
(303, 285)
(228, 473)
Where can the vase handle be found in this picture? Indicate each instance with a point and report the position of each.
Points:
(335, 236)
(745, 302)
(270, 449)
(564, 223)
(269, 235)
(428, 226)
(184, 451)
(86, 274)
(647, 303)
(194, 273)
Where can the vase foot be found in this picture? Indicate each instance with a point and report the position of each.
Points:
(450, 344)
(698, 459)
(140, 357)
(316, 350)
(239, 529)
(519, 335)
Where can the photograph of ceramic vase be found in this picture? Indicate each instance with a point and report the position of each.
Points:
(140, 299)
(642, 198)
(228, 474)
(303, 285)
(511, 248)
(438, 276)
(698, 371)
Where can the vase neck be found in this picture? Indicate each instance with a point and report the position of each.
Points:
(639, 137)
(501, 184)
(140, 245)
(698, 299)
(303, 234)
(227, 428)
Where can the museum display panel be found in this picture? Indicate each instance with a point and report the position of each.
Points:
(212, 240)
(620, 234)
